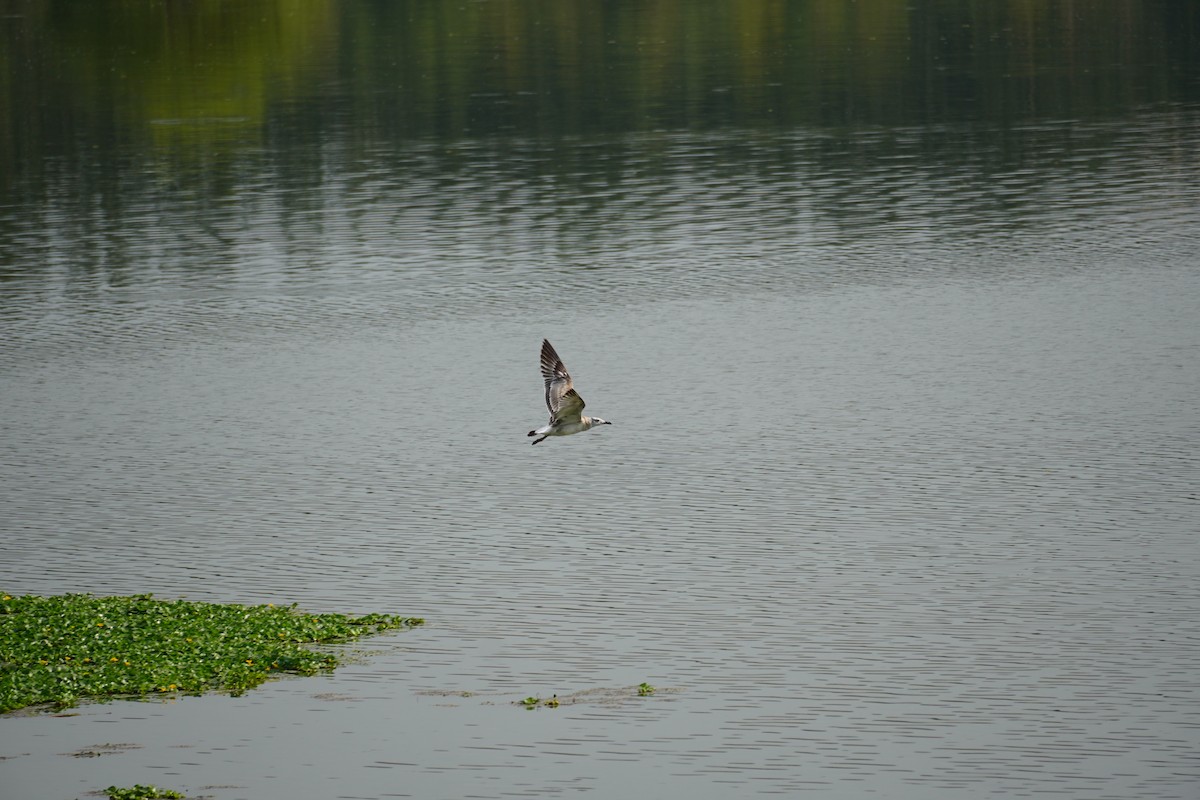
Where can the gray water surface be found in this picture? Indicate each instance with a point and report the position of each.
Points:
(899, 499)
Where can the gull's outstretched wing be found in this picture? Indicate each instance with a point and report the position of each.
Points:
(564, 402)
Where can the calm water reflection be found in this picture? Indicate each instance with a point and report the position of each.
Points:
(900, 492)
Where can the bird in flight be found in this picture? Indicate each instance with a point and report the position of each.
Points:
(565, 404)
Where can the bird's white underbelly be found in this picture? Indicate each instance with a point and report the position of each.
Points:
(568, 428)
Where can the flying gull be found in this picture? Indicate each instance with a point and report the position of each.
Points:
(565, 404)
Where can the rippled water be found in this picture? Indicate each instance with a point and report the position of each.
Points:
(899, 499)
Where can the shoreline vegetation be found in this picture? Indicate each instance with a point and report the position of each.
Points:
(57, 651)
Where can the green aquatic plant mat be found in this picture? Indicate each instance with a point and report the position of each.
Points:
(59, 650)
(141, 792)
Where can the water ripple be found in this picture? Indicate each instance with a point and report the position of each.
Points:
(900, 497)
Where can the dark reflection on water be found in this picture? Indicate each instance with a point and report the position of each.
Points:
(179, 75)
(894, 309)
(503, 226)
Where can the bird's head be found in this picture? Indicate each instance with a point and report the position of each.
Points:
(598, 421)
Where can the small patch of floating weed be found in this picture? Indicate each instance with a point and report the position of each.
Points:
(58, 650)
(529, 703)
(140, 792)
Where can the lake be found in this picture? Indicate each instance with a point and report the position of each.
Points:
(893, 309)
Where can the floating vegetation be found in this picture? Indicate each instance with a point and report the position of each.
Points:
(59, 650)
(140, 792)
(531, 703)
(106, 749)
(603, 696)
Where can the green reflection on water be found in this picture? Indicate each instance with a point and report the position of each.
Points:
(185, 85)
(623, 64)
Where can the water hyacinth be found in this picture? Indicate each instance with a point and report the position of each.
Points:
(140, 792)
(59, 650)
